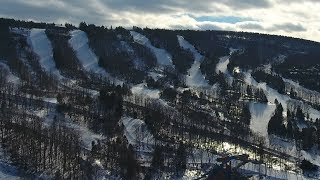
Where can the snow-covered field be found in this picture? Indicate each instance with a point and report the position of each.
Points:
(195, 78)
(41, 45)
(163, 57)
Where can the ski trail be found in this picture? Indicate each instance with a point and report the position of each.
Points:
(163, 57)
(195, 78)
(41, 45)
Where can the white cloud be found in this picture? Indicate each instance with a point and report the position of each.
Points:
(290, 18)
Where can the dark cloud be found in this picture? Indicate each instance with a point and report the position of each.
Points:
(181, 27)
(71, 11)
(82, 10)
(210, 26)
(246, 4)
(251, 26)
(288, 27)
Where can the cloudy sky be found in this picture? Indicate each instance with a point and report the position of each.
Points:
(297, 18)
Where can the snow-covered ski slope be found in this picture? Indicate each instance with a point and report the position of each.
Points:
(272, 94)
(195, 78)
(41, 45)
(88, 59)
(163, 57)
(10, 78)
(260, 117)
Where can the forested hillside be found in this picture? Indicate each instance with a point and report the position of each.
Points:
(95, 102)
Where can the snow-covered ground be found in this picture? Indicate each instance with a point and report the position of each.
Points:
(88, 59)
(136, 131)
(11, 78)
(163, 57)
(138, 135)
(143, 90)
(301, 91)
(222, 65)
(195, 78)
(155, 75)
(260, 116)
(41, 45)
(86, 135)
(7, 171)
(272, 94)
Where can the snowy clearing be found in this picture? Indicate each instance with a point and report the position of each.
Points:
(138, 135)
(136, 131)
(142, 89)
(260, 116)
(41, 45)
(163, 57)
(195, 78)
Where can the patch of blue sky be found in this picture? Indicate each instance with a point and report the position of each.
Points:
(222, 19)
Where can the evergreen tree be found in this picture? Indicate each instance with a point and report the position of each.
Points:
(245, 115)
(276, 123)
(299, 114)
(181, 158)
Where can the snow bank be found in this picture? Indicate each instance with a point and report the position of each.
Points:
(195, 78)
(10, 77)
(79, 43)
(163, 57)
(41, 45)
(142, 89)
